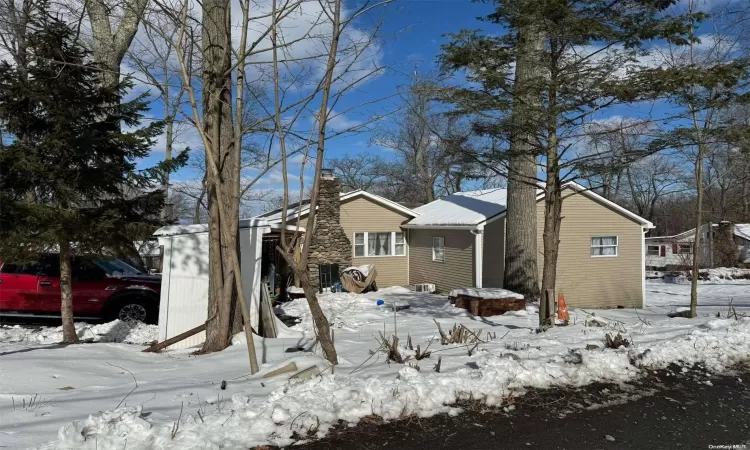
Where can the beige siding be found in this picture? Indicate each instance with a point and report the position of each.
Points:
(361, 214)
(588, 281)
(458, 268)
(493, 263)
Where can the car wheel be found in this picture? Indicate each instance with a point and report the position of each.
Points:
(134, 309)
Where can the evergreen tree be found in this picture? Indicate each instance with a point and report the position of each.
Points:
(591, 48)
(68, 176)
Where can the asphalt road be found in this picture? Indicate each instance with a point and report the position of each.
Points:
(665, 410)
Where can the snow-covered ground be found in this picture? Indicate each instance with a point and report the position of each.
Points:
(85, 396)
(115, 331)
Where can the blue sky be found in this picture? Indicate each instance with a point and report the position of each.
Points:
(413, 32)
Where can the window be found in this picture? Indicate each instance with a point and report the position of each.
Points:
(686, 249)
(653, 250)
(359, 244)
(438, 248)
(379, 244)
(604, 246)
(399, 244)
(371, 244)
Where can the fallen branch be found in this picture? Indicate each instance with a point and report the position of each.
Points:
(173, 340)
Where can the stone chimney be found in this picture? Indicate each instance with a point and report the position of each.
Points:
(330, 244)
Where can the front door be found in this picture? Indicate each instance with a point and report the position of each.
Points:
(90, 287)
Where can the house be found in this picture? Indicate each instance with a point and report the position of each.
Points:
(459, 241)
(676, 251)
(353, 229)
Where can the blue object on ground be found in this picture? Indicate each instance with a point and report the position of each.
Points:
(380, 303)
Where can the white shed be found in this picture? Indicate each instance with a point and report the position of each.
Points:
(184, 286)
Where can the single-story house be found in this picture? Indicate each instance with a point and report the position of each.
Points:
(353, 229)
(459, 241)
(664, 252)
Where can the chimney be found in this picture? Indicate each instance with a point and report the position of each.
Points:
(330, 249)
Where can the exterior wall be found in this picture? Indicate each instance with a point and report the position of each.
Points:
(458, 268)
(361, 214)
(588, 281)
(493, 264)
(184, 291)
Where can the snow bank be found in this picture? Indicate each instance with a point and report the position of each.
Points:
(115, 331)
(320, 403)
(486, 293)
(726, 273)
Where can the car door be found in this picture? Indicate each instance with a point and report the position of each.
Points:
(48, 291)
(90, 287)
(18, 287)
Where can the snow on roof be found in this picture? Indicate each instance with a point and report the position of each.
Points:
(462, 208)
(742, 230)
(252, 222)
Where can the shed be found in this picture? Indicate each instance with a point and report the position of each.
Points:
(184, 290)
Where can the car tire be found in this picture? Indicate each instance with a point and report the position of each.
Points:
(129, 308)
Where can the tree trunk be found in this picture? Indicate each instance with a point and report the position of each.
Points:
(552, 223)
(66, 294)
(697, 236)
(521, 274)
(217, 114)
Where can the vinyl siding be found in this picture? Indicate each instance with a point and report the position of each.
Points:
(458, 268)
(493, 261)
(586, 281)
(361, 214)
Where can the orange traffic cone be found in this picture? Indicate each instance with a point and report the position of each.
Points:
(562, 309)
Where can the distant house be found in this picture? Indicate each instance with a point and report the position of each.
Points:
(459, 241)
(676, 251)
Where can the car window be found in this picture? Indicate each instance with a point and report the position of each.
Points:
(83, 269)
(116, 267)
(20, 269)
(49, 265)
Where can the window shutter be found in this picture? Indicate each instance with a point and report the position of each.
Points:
(663, 250)
(674, 249)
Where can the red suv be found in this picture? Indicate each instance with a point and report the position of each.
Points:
(103, 288)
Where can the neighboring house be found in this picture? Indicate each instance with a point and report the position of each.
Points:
(459, 241)
(353, 229)
(664, 252)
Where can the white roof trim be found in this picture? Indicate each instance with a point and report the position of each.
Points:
(570, 184)
(253, 222)
(594, 196)
(349, 195)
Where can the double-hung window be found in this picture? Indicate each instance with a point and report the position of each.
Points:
(604, 245)
(438, 248)
(374, 243)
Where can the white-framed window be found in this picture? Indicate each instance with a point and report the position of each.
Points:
(604, 246)
(653, 250)
(368, 244)
(438, 248)
(399, 244)
(359, 244)
(685, 249)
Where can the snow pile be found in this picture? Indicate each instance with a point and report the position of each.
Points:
(345, 310)
(726, 273)
(320, 403)
(115, 331)
(486, 293)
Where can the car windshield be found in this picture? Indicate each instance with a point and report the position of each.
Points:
(116, 267)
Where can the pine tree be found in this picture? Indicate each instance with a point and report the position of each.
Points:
(590, 50)
(68, 176)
